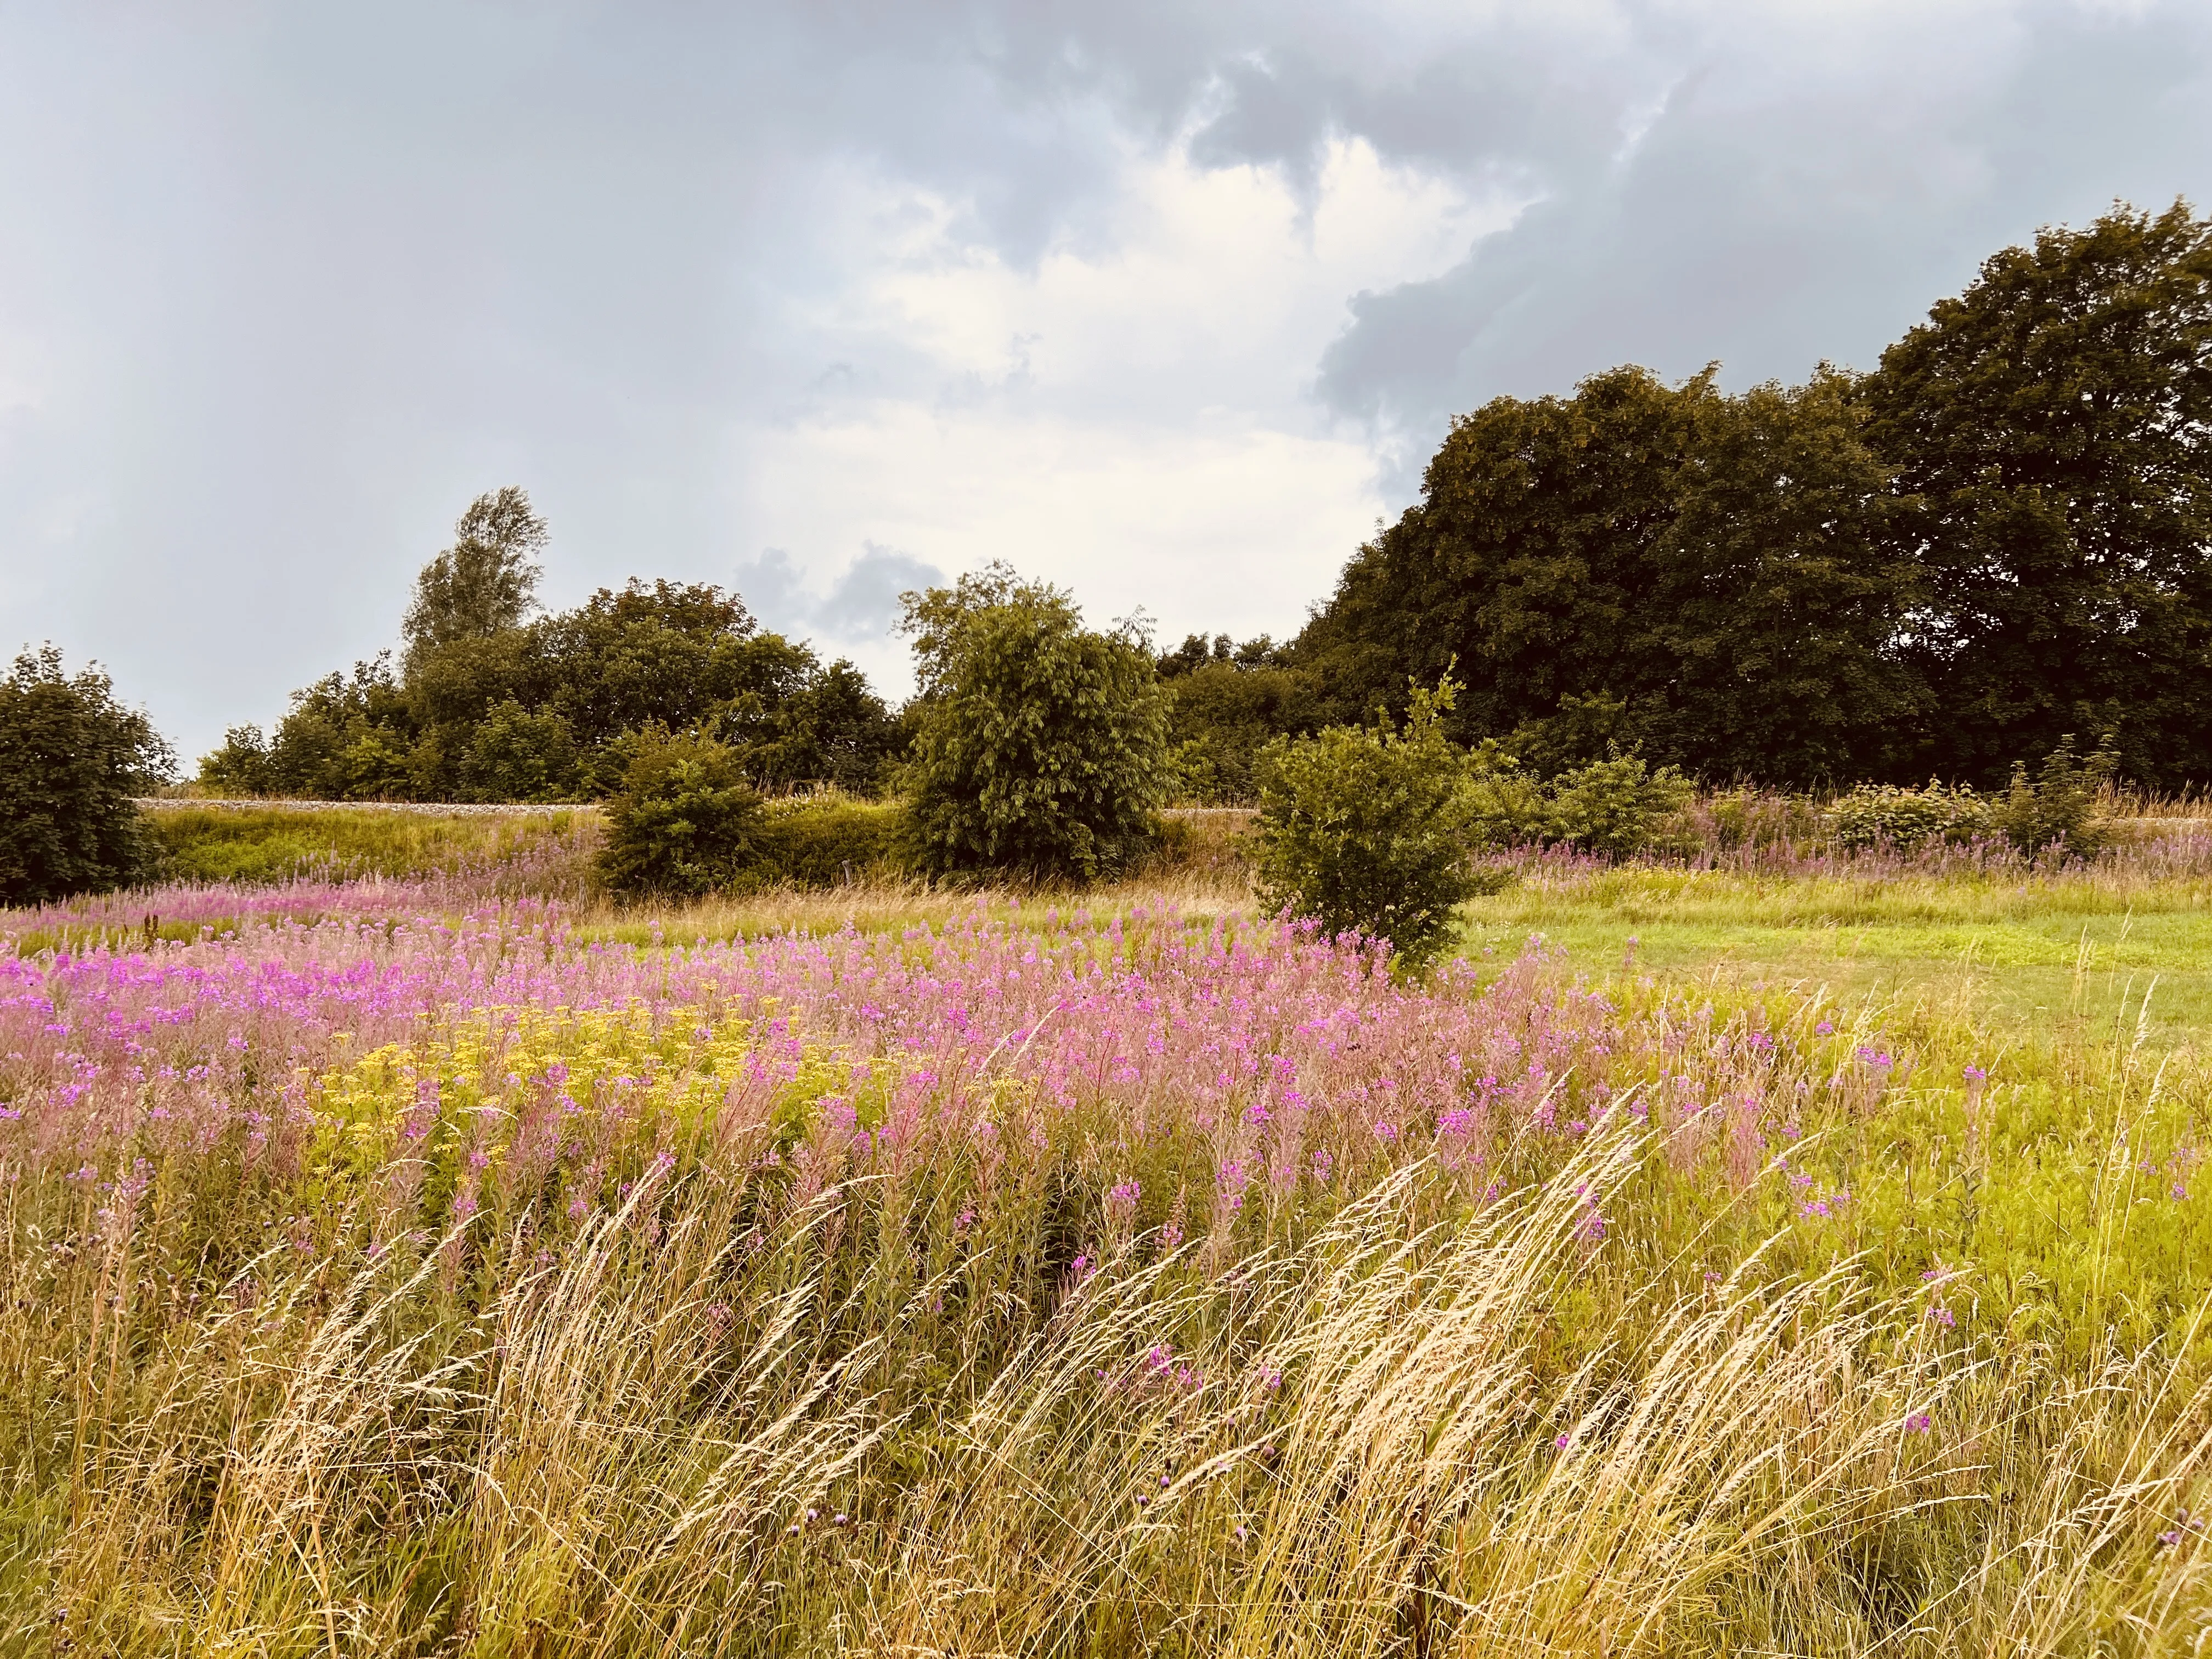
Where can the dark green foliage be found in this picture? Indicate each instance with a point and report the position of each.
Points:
(1670, 567)
(2051, 430)
(831, 729)
(1524, 561)
(2002, 535)
(1042, 745)
(492, 705)
(516, 755)
(1770, 648)
(1222, 713)
(71, 757)
(1367, 828)
(682, 823)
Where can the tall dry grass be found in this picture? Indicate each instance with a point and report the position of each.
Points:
(666, 1436)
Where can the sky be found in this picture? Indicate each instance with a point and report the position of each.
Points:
(1166, 302)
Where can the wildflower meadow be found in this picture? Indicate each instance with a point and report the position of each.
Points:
(442, 1265)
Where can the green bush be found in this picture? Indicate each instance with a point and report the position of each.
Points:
(821, 840)
(1367, 828)
(2052, 813)
(1874, 815)
(1616, 807)
(1042, 746)
(71, 757)
(518, 755)
(682, 824)
(1507, 805)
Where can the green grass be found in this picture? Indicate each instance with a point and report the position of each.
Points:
(275, 843)
(2064, 952)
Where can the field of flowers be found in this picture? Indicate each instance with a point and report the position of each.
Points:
(404, 1267)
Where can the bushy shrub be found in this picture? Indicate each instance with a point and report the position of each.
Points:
(71, 759)
(2052, 813)
(682, 823)
(1507, 805)
(1367, 828)
(820, 840)
(1042, 747)
(240, 767)
(1617, 806)
(1879, 815)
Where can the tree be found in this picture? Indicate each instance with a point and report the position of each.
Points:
(486, 582)
(1365, 828)
(1530, 559)
(2051, 431)
(1041, 746)
(1703, 576)
(1777, 595)
(1222, 713)
(71, 757)
(832, 730)
(516, 755)
(544, 709)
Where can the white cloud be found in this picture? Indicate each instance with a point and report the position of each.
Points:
(1127, 415)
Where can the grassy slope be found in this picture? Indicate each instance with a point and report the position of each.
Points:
(2055, 953)
(274, 843)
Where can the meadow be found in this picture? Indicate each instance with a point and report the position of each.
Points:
(1763, 1251)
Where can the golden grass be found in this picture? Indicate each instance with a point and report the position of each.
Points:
(654, 1445)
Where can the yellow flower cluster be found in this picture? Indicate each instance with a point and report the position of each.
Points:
(668, 1079)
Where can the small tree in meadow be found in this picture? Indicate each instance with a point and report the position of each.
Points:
(2053, 812)
(70, 758)
(1040, 747)
(1616, 805)
(1367, 828)
(681, 824)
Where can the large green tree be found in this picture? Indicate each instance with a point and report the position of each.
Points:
(71, 757)
(1042, 745)
(1665, 566)
(2051, 432)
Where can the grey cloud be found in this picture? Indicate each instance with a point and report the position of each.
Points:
(1770, 227)
(282, 287)
(858, 609)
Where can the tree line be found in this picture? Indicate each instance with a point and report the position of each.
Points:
(1998, 538)
(493, 702)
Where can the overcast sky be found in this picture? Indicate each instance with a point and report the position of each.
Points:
(1168, 302)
